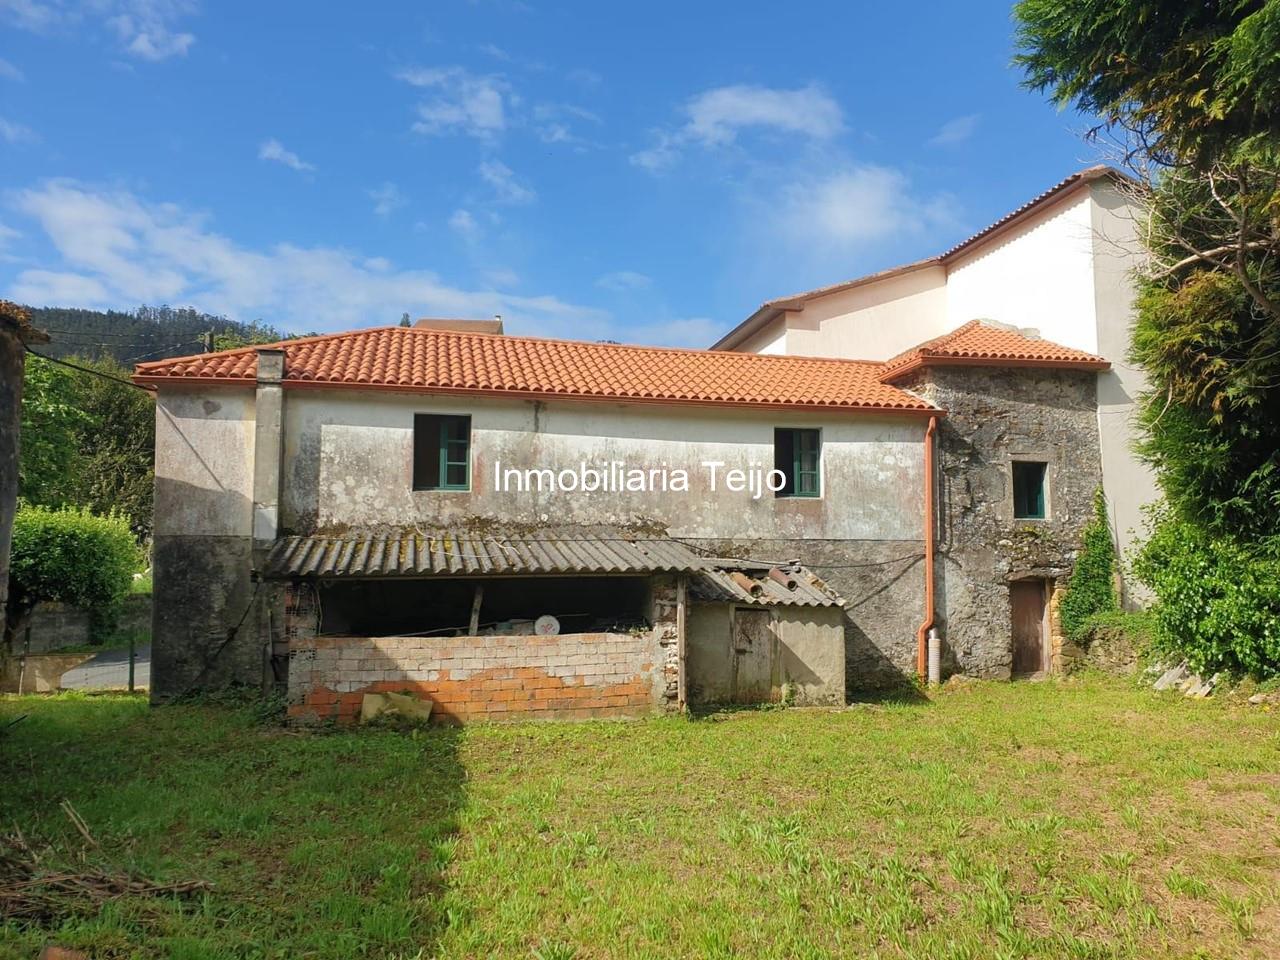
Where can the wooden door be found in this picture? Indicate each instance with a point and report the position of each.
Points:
(1030, 647)
(753, 655)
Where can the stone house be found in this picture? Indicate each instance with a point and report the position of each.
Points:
(511, 525)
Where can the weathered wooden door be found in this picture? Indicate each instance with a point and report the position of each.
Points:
(753, 655)
(1030, 646)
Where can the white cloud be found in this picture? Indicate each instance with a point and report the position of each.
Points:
(715, 117)
(854, 207)
(623, 281)
(554, 123)
(495, 51)
(9, 71)
(31, 15)
(274, 150)
(11, 132)
(464, 102)
(505, 184)
(147, 29)
(955, 131)
(118, 250)
(464, 224)
(387, 198)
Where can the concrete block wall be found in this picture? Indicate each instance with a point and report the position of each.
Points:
(468, 678)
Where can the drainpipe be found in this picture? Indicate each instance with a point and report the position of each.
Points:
(922, 643)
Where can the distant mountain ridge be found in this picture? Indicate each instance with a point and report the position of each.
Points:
(147, 333)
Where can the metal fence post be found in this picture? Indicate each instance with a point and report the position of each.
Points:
(22, 667)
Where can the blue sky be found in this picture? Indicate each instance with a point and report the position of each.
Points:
(646, 173)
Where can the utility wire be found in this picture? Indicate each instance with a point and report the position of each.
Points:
(96, 373)
(143, 356)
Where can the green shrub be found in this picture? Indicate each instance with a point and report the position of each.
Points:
(1218, 598)
(70, 556)
(1091, 590)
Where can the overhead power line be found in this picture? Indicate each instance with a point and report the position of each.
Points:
(76, 366)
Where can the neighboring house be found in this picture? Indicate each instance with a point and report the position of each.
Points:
(515, 525)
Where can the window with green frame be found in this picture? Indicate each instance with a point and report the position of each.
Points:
(1028, 489)
(441, 452)
(798, 454)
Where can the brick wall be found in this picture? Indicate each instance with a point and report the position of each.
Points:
(568, 676)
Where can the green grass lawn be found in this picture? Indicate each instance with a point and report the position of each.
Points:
(1076, 819)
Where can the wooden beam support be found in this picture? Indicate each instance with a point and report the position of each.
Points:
(473, 628)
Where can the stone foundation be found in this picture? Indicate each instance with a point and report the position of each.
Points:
(467, 678)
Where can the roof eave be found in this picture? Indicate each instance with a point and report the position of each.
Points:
(918, 363)
(861, 408)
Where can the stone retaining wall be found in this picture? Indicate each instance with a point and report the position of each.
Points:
(43, 673)
(567, 676)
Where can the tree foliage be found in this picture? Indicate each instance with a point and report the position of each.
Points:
(1192, 79)
(1193, 89)
(1091, 590)
(50, 418)
(1219, 597)
(70, 556)
(147, 333)
(87, 441)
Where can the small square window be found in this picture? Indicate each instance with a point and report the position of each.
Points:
(441, 452)
(798, 454)
(1028, 489)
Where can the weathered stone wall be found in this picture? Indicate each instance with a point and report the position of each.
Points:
(995, 416)
(467, 678)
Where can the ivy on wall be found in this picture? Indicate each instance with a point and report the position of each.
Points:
(1091, 590)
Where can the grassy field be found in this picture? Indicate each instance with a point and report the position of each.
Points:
(1078, 819)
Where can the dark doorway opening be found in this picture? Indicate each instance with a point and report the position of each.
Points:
(1028, 600)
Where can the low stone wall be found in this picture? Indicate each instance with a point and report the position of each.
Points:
(568, 676)
(57, 625)
(43, 673)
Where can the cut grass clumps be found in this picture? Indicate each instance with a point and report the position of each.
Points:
(1083, 818)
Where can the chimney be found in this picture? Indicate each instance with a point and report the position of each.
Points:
(268, 447)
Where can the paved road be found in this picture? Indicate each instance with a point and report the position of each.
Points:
(109, 670)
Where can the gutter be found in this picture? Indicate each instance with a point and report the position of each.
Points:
(922, 643)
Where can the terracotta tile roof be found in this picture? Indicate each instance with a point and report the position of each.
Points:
(980, 344)
(434, 361)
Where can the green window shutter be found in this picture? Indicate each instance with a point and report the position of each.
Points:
(1028, 490)
(798, 454)
(442, 452)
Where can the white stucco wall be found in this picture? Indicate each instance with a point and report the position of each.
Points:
(1038, 276)
(204, 462)
(875, 321)
(1129, 484)
(772, 339)
(348, 462)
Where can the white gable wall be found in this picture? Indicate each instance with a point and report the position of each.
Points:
(873, 321)
(1038, 276)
